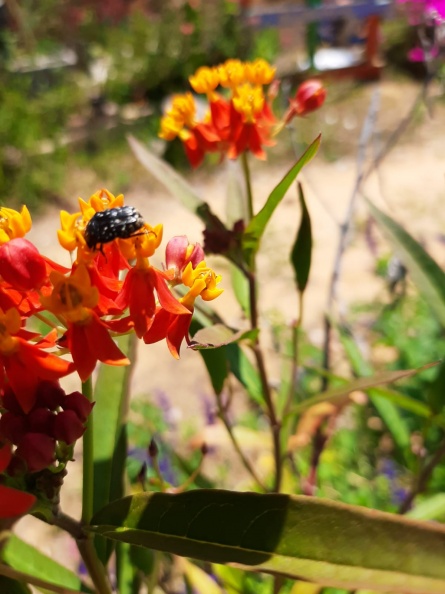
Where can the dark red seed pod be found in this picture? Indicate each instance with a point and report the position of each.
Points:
(68, 427)
(37, 450)
(79, 404)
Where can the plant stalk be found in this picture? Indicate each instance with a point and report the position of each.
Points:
(88, 458)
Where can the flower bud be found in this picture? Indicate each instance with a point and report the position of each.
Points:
(50, 395)
(179, 252)
(37, 450)
(21, 264)
(68, 427)
(310, 96)
(41, 420)
(12, 427)
(79, 404)
(10, 402)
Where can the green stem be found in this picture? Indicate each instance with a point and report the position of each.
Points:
(247, 178)
(275, 425)
(87, 551)
(245, 461)
(295, 334)
(88, 458)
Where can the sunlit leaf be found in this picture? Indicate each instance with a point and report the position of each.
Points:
(174, 182)
(432, 508)
(427, 275)
(38, 569)
(364, 383)
(255, 228)
(111, 393)
(213, 337)
(305, 537)
(387, 410)
(302, 249)
(436, 392)
(199, 580)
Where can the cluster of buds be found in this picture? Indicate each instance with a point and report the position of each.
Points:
(55, 417)
(110, 288)
(240, 118)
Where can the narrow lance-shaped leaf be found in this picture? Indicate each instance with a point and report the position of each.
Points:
(255, 229)
(109, 435)
(302, 248)
(364, 383)
(175, 184)
(436, 392)
(388, 411)
(425, 272)
(312, 539)
(27, 560)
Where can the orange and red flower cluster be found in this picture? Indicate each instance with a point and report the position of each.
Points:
(104, 292)
(239, 118)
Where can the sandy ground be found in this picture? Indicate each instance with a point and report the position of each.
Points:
(410, 184)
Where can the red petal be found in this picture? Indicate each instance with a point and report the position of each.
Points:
(14, 503)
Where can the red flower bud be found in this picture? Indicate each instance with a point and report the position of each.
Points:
(79, 404)
(50, 395)
(310, 96)
(68, 427)
(21, 264)
(179, 252)
(37, 450)
(12, 427)
(41, 420)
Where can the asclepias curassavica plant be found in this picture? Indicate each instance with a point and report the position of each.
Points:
(95, 306)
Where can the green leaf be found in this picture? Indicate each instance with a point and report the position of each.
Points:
(388, 411)
(365, 383)
(245, 372)
(255, 228)
(240, 286)
(175, 183)
(425, 272)
(302, 249)
(219, 335)
(312, 539)
(436, 392)
(35, 567)
(166, 175)
(432, 508)
(111, 393)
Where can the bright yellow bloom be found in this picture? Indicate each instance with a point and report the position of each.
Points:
(170, 127)
(73, 297)
(14, 224)
(99, 201)
(205, 80)
(143, 244)
(71, 233)
(10, 323)
(202, 281)
(259, 72)
(183, 108)
(232, 73)
(249, 101)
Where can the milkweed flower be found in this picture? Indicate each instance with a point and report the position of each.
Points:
(73, 299)
(24, 364)
(240, 118)
(14, 224)
(200, 280)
